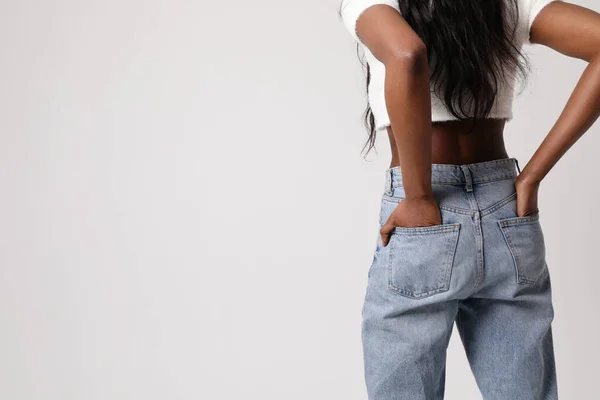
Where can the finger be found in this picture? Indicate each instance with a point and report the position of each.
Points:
(528, 211)
(386, 232)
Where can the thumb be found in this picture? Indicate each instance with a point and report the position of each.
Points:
(386, 231)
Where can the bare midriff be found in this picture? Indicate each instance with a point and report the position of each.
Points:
(450, 145)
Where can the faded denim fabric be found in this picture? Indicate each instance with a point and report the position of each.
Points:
(484, 269)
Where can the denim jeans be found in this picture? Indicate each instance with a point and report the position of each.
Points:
(483, 268)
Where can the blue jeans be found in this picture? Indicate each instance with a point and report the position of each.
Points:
(483, 268)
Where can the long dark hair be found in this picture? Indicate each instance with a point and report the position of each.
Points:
(472, 47)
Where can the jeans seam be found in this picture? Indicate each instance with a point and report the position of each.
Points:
(498, 205)
(461, 183)
(462, 211)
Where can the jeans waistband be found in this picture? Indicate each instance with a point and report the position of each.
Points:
(465, 174)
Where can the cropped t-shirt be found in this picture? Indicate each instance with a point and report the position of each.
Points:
(502, 108)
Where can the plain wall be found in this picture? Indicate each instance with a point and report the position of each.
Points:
(185, 213)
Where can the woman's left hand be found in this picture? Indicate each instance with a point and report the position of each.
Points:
(527, 196)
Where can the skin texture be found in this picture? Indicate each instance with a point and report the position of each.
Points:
(416, 142)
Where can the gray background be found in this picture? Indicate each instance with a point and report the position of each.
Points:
(185, 213)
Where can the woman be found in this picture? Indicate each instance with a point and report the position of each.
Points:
(460, 235)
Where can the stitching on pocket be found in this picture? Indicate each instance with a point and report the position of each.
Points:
(519, 220)
(422, 230)
(450, 233)
(522, 277)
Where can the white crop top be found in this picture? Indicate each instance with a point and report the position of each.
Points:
(350, 11)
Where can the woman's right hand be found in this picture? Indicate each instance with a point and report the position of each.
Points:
(412, 213)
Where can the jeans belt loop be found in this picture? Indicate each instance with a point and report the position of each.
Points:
(468, 178)
(517, 163)
(389, 182)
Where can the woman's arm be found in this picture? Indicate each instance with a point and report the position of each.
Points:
(393, 42)
(408, 101)
(573, 31)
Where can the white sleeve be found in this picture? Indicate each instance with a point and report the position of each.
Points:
(529, 10)
(352, 9)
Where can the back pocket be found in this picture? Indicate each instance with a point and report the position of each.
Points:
(421, 259)
(525, 241)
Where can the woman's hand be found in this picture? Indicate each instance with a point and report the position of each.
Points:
(411, 213)
(527, 196)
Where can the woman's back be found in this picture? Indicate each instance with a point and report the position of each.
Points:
(479, 55)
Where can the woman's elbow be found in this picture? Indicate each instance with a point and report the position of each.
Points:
(412, 59)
